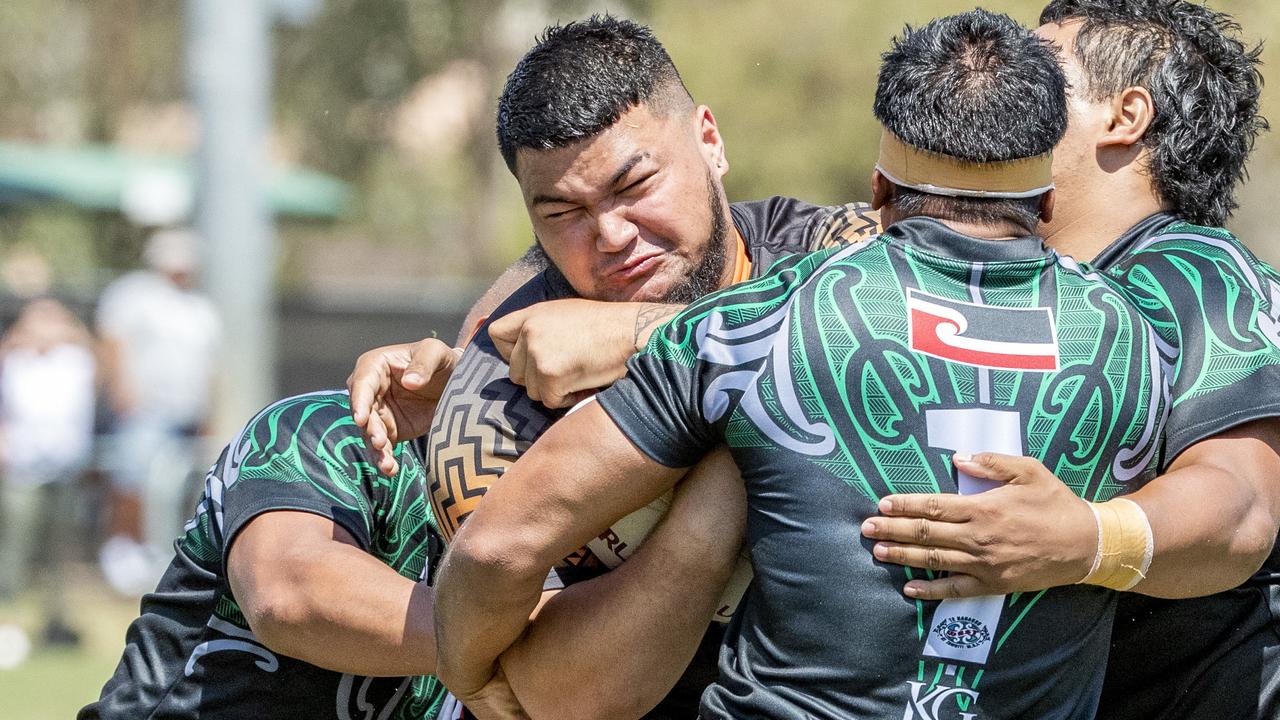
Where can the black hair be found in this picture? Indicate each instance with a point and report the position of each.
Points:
(579, 79)
(1203, 79)
(975, 86)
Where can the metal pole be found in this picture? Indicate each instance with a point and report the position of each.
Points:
(229, 73)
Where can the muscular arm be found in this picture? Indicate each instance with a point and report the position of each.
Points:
(613, 646)
(580, 476)
(309, 592)
(1215, 513)
(1214, 516)
(563, 349)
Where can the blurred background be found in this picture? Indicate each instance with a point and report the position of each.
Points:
(208, 204)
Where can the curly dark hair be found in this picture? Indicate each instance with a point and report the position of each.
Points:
(1203, 79)
(975, 86)
(579, 78)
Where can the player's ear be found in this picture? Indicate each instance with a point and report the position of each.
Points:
(881, 191)
(1046, 206)
(711, 140)
(1131, 113)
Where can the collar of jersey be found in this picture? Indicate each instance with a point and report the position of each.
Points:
(1150, 226)
(931, 236)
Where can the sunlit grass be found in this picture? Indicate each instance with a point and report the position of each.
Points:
(54, 683)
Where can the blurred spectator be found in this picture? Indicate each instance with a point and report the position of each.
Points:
(159, 339)
(47, 384)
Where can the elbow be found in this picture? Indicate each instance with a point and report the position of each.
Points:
(1253, 542)
(278, 618)
(486, 559)
(498, 557)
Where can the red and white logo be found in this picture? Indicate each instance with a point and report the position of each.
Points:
(983, 335)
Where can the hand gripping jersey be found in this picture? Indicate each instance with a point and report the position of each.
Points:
(192, 655)
(1216, 310)
(855, 373)
(484, 422)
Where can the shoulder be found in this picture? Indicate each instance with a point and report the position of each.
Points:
(1195, 244)
(548, 284)
(757, 303)
(1186, 266)
(784, 224)
(305, 434)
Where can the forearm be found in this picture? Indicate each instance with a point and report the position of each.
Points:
(385, 628)
(554, 499)
(309, 592)
(650, 317)
(1212, 530)
(482, 605)
(615, 645)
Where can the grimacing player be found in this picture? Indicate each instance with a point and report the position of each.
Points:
(836, 378)
(620, 172)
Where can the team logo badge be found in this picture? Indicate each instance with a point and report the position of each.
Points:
(983, 335)
(962, 632)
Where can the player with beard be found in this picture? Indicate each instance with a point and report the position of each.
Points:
(621, 174)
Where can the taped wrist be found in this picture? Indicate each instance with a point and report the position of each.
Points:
(1125, 545)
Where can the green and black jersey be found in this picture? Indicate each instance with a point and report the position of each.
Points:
(192, 655)
(850, 374)
(1216, 309)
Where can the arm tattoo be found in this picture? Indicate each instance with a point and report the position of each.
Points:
(650, 316)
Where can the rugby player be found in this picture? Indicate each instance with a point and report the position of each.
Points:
(781, 368)
(1164, 118)
(294, 592)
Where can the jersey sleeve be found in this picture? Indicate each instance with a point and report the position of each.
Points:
(680, 392)
(1216, 310)
(655, 408)
(303, 454)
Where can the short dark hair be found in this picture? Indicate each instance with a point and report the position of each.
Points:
(1204, 82)
(975, 86)
(579, 79)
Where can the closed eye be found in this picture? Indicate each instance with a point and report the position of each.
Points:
(556, 214)
(636, 185)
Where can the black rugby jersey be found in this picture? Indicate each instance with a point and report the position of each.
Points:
(192, 655)
(855, 373)
(1216, 308)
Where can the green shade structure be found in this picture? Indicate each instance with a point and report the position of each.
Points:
(108, 178)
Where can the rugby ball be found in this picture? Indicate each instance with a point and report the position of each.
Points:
(616, 544)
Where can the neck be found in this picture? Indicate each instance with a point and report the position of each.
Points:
(987, 231)
(1092, 212)
(1003, 230)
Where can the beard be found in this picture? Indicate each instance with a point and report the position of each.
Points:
(707, 275)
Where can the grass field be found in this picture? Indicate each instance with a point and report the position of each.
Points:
(54, 683)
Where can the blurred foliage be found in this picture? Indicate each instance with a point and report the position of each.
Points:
(363, 91)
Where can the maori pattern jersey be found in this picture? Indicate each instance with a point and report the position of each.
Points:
(192, 655)
(1216, 309)
(855, 373)
(484, 422)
